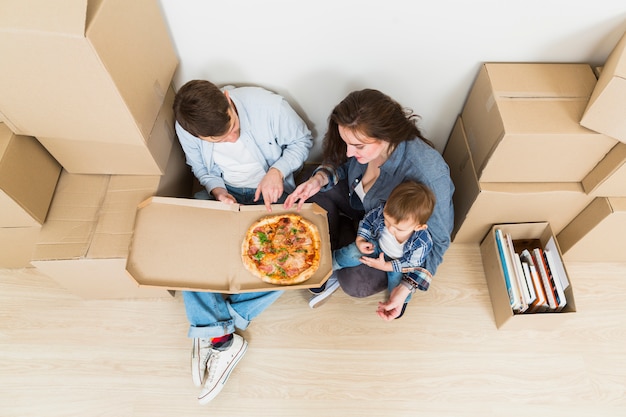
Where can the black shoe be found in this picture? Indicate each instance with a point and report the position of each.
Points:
(403, 310)
(318, 290)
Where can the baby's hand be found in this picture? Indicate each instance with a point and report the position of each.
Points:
(364, 246)
(377, 263)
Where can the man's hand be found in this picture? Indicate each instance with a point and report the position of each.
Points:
(270, 187)
(221, 194)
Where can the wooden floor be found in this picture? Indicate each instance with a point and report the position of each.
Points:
(64, 356)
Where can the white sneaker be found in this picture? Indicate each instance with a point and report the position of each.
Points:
(219, 366)
(200, 352)
(329, 287)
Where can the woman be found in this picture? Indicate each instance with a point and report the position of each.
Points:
(373, 144)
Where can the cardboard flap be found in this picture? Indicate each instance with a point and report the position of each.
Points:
(190, 244)
(541, 80)
(618, 204)
(64, 17)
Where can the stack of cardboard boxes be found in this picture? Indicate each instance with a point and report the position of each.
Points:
(87, 134)
(543, 143)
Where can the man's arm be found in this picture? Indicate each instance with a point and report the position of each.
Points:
(209, 177)
(294, 137)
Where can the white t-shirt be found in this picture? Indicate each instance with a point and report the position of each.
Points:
(238, 165)
(390, 245)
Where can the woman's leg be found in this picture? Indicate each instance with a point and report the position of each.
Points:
(342, 218)
(362, 281)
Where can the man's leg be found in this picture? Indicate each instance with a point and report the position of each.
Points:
(216, 348)
(209, 320)
(245, 306)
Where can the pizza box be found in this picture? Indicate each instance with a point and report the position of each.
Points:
(195, 245)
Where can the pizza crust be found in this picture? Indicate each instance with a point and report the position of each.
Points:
(312, 247)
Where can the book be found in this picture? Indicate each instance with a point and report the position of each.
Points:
(541, 302)
(556, 283)
(507, 270)
(551, 293)
(517, 275)
(555, 263)
(529, 281)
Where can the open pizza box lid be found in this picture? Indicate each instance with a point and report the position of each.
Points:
(188, 244)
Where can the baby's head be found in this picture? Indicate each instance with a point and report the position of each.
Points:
(410, 203)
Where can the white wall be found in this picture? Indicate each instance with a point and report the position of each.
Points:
(423, 54)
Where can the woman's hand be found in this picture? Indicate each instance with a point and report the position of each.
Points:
(305, 190)
(392, 308)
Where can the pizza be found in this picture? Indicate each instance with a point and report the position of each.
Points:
(282, 249)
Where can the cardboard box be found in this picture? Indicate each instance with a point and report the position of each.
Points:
(28, 177)
(98, 157)
(186, 244)
(522, 123)
(85, 241)
(18, 244)
(607, 106)
(86, 70)
(597, 233)
(503, 314)
(69, 236)
(479, 205)
(608, 178)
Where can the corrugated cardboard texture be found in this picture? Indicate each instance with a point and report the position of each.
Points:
(503, 314)
(607, 105)
(522, 123)
(195, 245)
(28, 177)
(73, 217)
(597, 234)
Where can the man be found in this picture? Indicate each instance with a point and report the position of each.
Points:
(243, 145)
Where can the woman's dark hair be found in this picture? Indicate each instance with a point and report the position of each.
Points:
(201, 108)
(373, 114)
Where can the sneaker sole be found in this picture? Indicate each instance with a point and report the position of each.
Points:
(195, 365)
(319, 299)
(206, 398)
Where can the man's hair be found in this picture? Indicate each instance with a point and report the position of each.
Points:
(201, 108)
(410, 200)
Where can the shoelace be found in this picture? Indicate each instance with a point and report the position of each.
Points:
(213, 359)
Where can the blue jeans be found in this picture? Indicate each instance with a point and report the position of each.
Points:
(213, 314)
(349, 256)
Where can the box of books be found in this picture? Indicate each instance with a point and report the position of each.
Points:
(528, 283)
